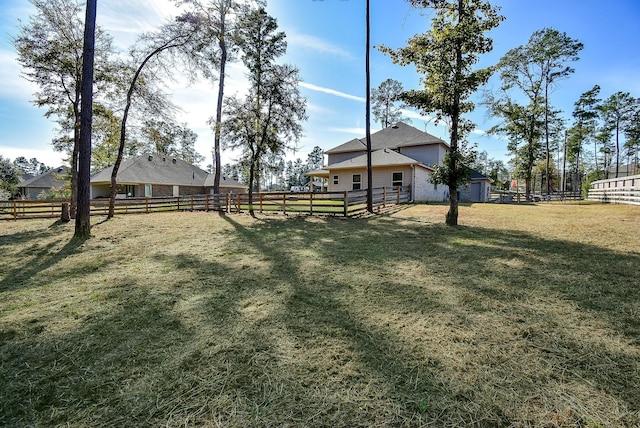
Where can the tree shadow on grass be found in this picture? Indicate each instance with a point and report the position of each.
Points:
(384, 324)
(535, 288)
(41, 258)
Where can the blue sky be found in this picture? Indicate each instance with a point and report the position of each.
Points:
(326, 42)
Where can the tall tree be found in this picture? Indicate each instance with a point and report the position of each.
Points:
(177, 34)
(215, 47)
(315, 159)
(632, 143)
(585, 115)
(49, 48)
(617, 111)
(83, 214)
(269, 116)
(386, 104)
(523, 127)
(550, 50)
(445, 55)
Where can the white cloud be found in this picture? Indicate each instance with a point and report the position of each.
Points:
(330, 91)
(317, 44)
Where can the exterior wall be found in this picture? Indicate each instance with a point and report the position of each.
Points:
(345, 179)
(475, 191)
(428, 154)
(33, 192)
(339, 157)
(425, 191)
(191, 190)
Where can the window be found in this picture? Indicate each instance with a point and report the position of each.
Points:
(396, 179)
(336, 180)
(357, 181)
(130, 191)
(147, 190)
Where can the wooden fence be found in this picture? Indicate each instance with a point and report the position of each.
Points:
(328, 203)
(623, 190)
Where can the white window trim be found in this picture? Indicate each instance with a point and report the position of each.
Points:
(354, 182)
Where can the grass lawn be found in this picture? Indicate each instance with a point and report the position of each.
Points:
(526, 315)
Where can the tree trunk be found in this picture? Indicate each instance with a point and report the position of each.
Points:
(83, 214)
(216, 139)
(368, 117)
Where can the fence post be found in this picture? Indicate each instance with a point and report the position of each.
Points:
(206, 202)
(346, 203)
(284, 203)
(398, 196)
(146, 204)
(191, 202)
(238, 205)
(15, 210)
(311, 203)
(178, 203)
(384, 197)
(227, 201)
(260, 202)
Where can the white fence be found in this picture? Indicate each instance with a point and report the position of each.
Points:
(623, 190)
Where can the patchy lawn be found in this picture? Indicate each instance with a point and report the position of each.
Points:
(523, 316)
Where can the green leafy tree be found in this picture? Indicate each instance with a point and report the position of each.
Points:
(446, 55)
(32, 166)
(9, 178)
(523, 127)
(49, 48)
(585, 115)
(632, 143)
(269, 116)
(617, 112)
(106, 138)
(175, 36)
(315, 159)
(386, 104)
(549, 50)
(214, 47)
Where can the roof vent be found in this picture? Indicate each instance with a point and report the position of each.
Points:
(395, 126)
(164, 159)
(150, 157)
(173, 160)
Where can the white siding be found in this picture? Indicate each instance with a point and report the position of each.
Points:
(424, 190)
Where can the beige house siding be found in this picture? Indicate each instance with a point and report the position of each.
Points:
(345, 179)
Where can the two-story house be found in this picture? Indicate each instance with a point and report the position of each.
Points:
(401, 155)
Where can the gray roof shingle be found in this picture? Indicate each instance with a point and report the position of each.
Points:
(54, 178)
(392, 137)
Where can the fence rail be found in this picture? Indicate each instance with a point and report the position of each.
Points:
(329, 203)
(623, 190)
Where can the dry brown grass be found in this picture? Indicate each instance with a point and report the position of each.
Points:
(523, 316)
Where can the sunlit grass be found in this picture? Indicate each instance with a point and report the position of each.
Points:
(523, 316)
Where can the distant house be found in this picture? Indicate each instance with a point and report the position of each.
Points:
(151, 175)
(32, 188)
(401, 156)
